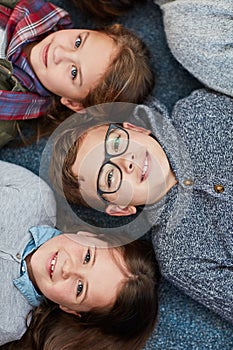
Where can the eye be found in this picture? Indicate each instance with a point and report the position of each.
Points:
(79, 288)
(87, 257)
(116, 143)
(110, 178)
(78, 42)
(73, 72)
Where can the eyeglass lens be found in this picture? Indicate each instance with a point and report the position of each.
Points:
(110, 175)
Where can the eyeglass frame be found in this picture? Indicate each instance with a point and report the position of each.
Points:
(108, 161)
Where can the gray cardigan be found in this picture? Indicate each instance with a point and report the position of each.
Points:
(200, 36)
(192, 226)
(25, 201)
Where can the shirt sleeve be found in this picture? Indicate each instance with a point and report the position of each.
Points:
(205, 286)
(192, 266)
(26, 200)
(200, 36)
(9, 3)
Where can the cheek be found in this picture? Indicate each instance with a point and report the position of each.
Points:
(145, 193)
(56, 76)
(125, 195)
(56, 293)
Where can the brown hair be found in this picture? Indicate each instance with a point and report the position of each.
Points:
(106, 10)
(126, 325)
(129, 78)
(64, 152)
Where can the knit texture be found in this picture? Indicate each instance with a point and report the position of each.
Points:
(199, 34)
(183, 324)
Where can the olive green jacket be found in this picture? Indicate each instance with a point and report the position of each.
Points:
(8, 128)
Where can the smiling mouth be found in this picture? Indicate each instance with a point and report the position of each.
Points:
(45, 55)
(145, 168)
(53, 264)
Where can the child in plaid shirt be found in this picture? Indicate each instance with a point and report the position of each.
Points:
(39, 61)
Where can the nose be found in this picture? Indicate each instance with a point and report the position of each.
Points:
(67, 269)
(62, 54)
(126, 162)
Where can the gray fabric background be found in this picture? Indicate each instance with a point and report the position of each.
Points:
(183, 323)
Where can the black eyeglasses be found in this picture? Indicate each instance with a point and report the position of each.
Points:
(110, 175)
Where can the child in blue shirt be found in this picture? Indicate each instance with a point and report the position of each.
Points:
(38, 262)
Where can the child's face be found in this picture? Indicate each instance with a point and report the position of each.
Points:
(70, 62)
(76, 276)
(142, 174)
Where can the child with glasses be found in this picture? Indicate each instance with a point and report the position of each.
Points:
(175, 171)
(48, 69)
(81, 274)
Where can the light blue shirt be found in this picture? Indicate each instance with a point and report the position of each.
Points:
(40, 235)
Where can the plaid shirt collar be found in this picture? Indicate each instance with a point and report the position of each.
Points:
(29, 21)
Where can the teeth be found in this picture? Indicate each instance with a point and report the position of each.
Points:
(145, 167)
(53, 263)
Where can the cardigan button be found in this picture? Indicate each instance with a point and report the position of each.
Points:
(219, 188)
(18, 256)
(188, 182)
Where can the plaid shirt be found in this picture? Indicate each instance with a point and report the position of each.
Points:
(29, 21)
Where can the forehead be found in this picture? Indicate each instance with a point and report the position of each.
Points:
(93, 137)
(90, 143)
(110, 265)
(87, 239)
(74, 32)
(89, 158)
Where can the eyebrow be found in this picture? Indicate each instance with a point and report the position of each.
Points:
(85, 296)
(80, 70)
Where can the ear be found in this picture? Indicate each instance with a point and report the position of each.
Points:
(72, 104)
(69, 311)
(115, 210)
(87, 234)
(133, 127)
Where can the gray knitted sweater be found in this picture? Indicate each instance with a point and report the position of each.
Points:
(192, 225)
(25, 201)
(200, 36)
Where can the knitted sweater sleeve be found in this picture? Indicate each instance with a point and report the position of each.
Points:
(199, 34)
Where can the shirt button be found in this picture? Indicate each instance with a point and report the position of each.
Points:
(188, 182)
(18, 256)
(219, 188)
(23, 269)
